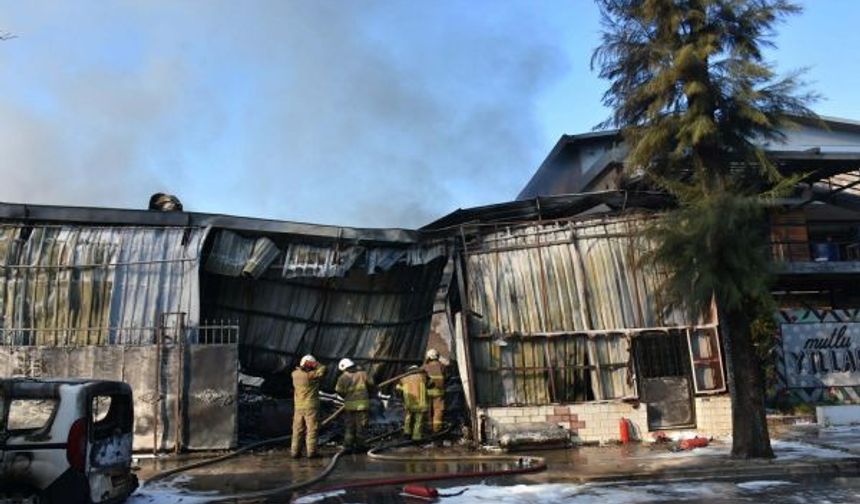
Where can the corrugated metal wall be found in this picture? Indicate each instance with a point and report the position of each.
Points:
(564, 276)
(553, 303)
(94, 285)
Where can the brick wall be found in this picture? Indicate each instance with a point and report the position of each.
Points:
(714, 415)
(598, 421)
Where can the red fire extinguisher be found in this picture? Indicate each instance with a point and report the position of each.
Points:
(624, 430)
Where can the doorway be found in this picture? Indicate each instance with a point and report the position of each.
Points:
(663, 366)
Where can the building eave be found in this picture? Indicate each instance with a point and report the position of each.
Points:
(20, 212)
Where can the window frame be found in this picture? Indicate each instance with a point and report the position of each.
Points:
(117, 416)
(541, 342)
(696, 363)
(29, 431)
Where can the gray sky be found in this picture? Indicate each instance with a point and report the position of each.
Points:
(367, 113)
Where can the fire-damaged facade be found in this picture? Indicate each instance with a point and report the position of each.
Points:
(550, 317)
(566, 326)
(815, 248)
(177, 304)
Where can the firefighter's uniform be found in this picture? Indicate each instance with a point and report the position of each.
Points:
(436, 373)
(353, 386)
(306, 405)
(414, 389)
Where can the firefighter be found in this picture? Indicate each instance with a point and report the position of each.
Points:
(435, 369)
(353, 385)
(413, 386)
(306, 405)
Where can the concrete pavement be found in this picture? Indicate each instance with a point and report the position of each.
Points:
(802, 450)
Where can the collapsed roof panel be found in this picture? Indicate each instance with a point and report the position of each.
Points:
(380, 320)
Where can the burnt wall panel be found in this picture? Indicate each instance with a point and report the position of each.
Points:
(138, 371)
(210, 381)
(94, 285)
(212, 393)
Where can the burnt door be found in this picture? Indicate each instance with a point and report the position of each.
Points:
(665, 383)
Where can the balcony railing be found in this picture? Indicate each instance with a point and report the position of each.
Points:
(815, 251)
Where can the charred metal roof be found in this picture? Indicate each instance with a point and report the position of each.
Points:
(128, 217)
(550, 207)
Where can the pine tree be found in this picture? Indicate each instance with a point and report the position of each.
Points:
(694, 98)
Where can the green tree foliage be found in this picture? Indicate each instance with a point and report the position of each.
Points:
(695, 98)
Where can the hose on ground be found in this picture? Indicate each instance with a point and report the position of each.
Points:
(203, 463)
(265, 442)
(283, 489)
(291, 487)
(524, 465)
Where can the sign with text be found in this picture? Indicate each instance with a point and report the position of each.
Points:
(822, 355)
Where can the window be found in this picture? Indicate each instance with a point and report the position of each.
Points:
(101, 405)
(30, 414)
(534, 370)
(662, 353)
(111, 414)
(511, 371)
(612, 367)
(706, 359)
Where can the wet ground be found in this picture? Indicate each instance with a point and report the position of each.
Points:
(573, 475)
(777, 491)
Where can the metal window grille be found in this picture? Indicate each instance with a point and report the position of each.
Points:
(220, 332)
(539, 370)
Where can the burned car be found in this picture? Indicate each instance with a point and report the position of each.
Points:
(65, 440)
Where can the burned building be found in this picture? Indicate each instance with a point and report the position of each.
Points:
(562, 325)
(565, 324)
(815, 238)
(544, 305)
(176, 304)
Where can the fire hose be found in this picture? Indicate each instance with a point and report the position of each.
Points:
(265, 442)
(203, 463)
(523, 465)
(291, 487)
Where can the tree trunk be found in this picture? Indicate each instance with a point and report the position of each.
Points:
(750, 437)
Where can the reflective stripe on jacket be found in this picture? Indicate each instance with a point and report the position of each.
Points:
(436, 371)
(306, 388)
(414, 388)
(353, 387)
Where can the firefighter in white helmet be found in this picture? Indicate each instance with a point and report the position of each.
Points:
(353, 385)
(434, 366)
(306, 405)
